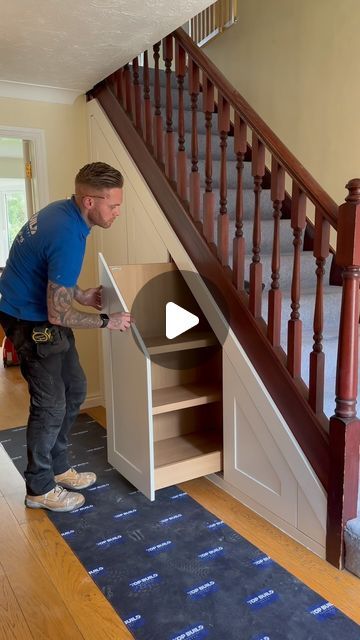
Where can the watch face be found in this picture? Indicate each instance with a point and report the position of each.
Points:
(105, 320)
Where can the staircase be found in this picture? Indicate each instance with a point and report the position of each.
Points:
(332, 293)
(241, 204)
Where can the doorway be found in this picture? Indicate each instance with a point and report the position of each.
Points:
(23, 182)
(16, 199)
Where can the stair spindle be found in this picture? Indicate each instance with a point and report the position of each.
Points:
(298, 222)
(169, 135)
(275, 296)
(239, 249)
(194, 88)
(209, 196)
(317, 356)
(127, 80)
(180, 70)
(158, 121)
(137, 95)
(223, 218)
(147, 102)
(258, 172)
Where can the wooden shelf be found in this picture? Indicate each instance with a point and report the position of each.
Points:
(187, 340)
(187, 457)
(172, 388)
(183, 396)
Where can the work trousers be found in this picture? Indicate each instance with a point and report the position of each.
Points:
(57, 387)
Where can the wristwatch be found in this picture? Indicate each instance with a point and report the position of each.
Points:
(105, 320)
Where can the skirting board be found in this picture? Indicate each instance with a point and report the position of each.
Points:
(94, 400)
(291, 531)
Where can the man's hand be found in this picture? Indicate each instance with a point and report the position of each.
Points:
(89, 297)
(120, 321)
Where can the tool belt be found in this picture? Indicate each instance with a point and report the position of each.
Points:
(49, 339)
(43, 334)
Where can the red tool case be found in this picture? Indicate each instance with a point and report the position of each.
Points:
(10, 356)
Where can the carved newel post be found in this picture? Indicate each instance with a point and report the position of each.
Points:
(345, 425)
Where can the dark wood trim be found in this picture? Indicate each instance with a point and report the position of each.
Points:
(303, 178)
(343, 485)
(336, 272)
(308, 431)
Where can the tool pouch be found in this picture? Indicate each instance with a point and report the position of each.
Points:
(49, 340)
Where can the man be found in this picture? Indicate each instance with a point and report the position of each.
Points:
(37, 290)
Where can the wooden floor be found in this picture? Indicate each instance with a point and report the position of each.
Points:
(45, 594)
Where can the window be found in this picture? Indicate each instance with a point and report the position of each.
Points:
(13, 213)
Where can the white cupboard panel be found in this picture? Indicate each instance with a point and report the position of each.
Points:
(310, 522)
(128, 396)
(252, 460)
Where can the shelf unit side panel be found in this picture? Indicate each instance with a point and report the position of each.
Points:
(128, 396)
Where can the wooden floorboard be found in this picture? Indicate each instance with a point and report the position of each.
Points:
(12, 620)
(41, 604)
(45, 593)
(95, 617)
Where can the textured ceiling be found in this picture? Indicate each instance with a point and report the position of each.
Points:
(72, 44)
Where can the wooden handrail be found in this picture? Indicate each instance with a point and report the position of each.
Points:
(304, 179)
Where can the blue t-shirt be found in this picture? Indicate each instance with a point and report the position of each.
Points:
(50, 246)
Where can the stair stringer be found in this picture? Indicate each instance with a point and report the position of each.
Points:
(298, 500)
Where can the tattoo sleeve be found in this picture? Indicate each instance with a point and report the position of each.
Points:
(78, 293)
(61, 312)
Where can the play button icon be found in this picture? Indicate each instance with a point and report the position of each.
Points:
(178, 320)
(174, 330)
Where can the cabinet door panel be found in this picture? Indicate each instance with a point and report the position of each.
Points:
(128, 395)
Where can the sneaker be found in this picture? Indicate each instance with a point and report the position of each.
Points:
(58, 499)
(71, 479)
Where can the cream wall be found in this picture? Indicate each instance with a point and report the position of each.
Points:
(11, 167)
(298, 64)
(65, 128)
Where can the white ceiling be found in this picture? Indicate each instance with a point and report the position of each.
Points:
(72, 44)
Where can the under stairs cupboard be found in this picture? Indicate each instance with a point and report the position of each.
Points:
(163, 397)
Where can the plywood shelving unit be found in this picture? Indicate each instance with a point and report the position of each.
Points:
(164, 396)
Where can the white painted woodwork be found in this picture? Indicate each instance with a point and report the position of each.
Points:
(264, 462)
(128, 396)
(308, 521)
(39, 160)
(264, 466)
(133, 238)
(252, 460)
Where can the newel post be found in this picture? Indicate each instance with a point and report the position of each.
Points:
(345, 425)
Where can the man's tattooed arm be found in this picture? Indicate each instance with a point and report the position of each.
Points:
(61, 312)
(78, 293)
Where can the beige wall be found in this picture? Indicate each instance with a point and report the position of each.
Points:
(298, 64)
(65, 128)
(11, 168)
